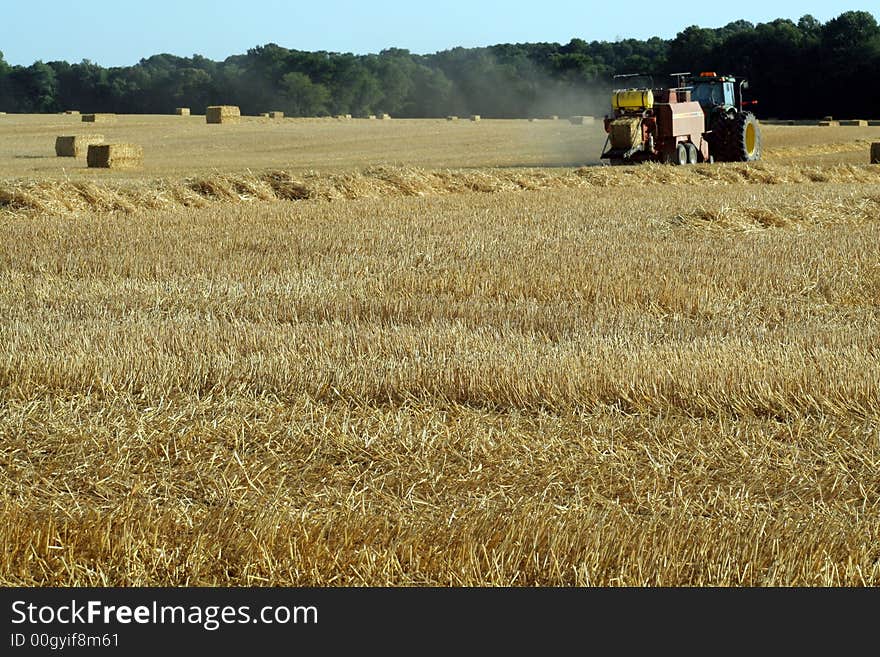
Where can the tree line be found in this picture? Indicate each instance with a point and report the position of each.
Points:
(802, 69)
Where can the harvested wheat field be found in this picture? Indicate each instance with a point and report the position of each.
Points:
(477, 368)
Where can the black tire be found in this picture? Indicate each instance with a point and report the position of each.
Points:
(745, 138)
(720, 137)
(692, 154)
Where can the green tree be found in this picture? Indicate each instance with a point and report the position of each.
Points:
(302, 97)
(693, 48)
(34, 88)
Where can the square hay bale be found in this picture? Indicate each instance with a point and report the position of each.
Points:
(875, 152)
(115, 156)
(476, 117)
(856, 123)
(98, 118)
(553, 117)
(72, 112)
(182, 111)
(383, 117)
(452, 118)
(276, 115)
(581, 120)
(75, 145)
(371, 117)
(223, 114)
(829, 123)
(624, 131)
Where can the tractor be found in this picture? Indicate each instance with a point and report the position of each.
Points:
(699, 119)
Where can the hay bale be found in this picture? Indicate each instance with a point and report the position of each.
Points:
(98, 118)
(475, 117)
(856, 123)
(276, 115)
(383, 117)
(222, 114)
(72, 112)
(182, 111)
(553, 117)
(115, 156)
(581, 120)
(371, 117)
(829, 123)
(75, 145)
(875, 152)
(263, 115)
(452, 118)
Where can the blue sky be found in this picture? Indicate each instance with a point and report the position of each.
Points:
(114, 33)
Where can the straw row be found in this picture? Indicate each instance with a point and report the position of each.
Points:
(24, 195)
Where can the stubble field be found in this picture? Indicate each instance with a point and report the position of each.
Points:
(421, 363)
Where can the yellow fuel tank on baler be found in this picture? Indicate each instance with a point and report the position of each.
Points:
(632, 100)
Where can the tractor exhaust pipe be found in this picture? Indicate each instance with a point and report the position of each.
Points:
(743, 84)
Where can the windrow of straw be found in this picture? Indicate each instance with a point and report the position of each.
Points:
(747, 218)
(382, 182)
(785, 152)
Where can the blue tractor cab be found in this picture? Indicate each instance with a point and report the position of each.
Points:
(715, 92)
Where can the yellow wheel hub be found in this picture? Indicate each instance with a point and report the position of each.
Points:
(751, 139)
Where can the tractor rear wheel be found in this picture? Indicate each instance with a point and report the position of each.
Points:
(720, 137)
(745, 138)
